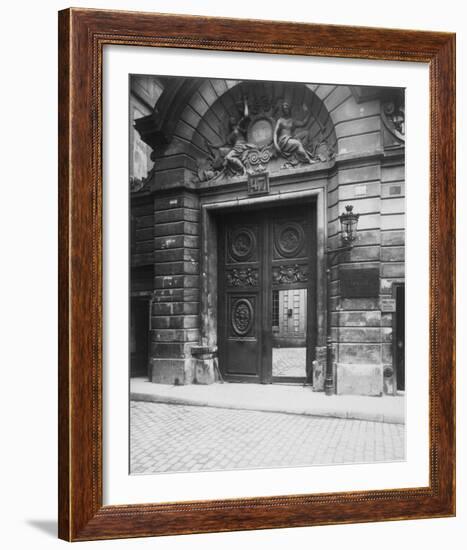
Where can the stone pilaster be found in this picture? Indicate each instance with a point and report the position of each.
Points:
(356, 320)
(175, 304)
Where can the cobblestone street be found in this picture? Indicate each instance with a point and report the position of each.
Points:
(180, 438)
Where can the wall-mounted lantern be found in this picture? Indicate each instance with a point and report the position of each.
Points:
(349, 223)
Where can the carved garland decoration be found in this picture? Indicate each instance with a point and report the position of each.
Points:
(242, 277)
(290, 274)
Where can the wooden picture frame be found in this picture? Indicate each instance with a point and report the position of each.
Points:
(82, 37)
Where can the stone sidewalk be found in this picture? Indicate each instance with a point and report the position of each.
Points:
(292, 399)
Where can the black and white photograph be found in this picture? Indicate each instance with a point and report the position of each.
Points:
(239, 243)
(267, 276)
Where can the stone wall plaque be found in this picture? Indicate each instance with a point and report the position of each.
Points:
(388, 305)
(258, 184)
(359, 282)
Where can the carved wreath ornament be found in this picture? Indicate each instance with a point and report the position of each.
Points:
(290, 274)
(242, 316)
(242, 244)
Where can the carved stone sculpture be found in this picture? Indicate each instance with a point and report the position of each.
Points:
(393, 115)
(262, 131)
(230, 155)
(285, 141)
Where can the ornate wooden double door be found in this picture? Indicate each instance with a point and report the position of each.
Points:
(266, 300)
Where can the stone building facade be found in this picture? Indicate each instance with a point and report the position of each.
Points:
(236, 192)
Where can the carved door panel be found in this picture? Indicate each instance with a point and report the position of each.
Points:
(240, 298)
(292, 287)
(261, 254)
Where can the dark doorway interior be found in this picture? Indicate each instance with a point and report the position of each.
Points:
(139, 337)
(399, 336)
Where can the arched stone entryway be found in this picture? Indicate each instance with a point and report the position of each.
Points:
(354, 158)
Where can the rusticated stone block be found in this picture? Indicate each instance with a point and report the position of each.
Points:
(334, 288)
(175, 322)
(393, 189)
(364, 142)
(359, 191)
(175, 308)
(393, 204)
(141, 247)
(392, 221)
(393, 270)
(393, 254)
(144, 221)
(387, 334)
(393, 173)
(392, 238)
(190, 116)
(386, 319)
(350, 109)
(386, 353)
(179, 200)
(176, 254)
(358, 318)
(360, 353)
(182, 160)
(198, 104)
(175, 335)
(176, 281)
(177, 268)
(369, 172)
(369, 221)
(177, 178)
(171, 371)
(141, 209)
(360, 304)
(144, 234)
(358, 126)
(337, 96)
(145, 259)
(176, 215)
(365, 253)
(178, 350)
(362, 204)
(176, 295)
(176, 241)
(207, 132)
(359, 379)
(176, 228)
(360, 334)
